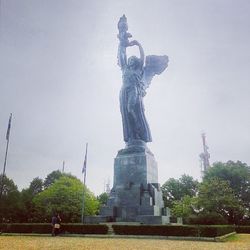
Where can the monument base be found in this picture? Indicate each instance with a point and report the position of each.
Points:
(149, 219)
(136, 195)
(95, 219)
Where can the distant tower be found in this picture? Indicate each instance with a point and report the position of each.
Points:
(204, 156)
(107, 187)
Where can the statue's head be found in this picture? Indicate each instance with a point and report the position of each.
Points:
(134, 62)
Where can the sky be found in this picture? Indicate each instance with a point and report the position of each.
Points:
(60, 79)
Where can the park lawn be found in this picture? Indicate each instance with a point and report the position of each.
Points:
(240, 242)
(239, 238)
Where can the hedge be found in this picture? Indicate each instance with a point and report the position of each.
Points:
(173, 230)
(215, 231)
(45, 228)
(85, 229)
(155, 230)
(162, 230)
(242, 229)
(41, 228)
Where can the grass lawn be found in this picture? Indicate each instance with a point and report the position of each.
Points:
(244, 238)
(238, 242)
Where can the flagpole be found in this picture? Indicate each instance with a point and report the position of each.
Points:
(6, 155)
(84, 182)
(63, 166)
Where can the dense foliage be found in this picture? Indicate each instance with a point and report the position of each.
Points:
(10, 200)
(65, 197)
(216, 195)
(222, 197)
(174, 190)
(59, 193)
(237, 175)
(226, 190)
(103, 198)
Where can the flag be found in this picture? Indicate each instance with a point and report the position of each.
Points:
(8, 130)
(85, 160)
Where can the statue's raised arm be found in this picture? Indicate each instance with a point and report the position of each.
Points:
(124, 42)
(123, 37)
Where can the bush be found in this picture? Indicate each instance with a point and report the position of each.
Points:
(242, 229)
(155, 230)
(2, 227)
(215, 231)
(45, 228)
(244, 222)
(42, 228)
(165, 230)
(84, 229)
(161, 230)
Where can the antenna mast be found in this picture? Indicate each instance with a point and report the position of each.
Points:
(204, 156)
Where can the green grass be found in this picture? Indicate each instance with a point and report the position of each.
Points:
(234, 237)
(239, 238)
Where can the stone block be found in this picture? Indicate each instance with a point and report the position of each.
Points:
(107, 211)
(153, 220)
(95, 219)
(135, 168)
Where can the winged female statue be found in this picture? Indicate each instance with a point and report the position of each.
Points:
(137, 74)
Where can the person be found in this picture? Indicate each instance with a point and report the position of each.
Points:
(56, 224)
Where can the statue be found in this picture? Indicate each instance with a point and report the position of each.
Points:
(136, 79)
(136, 194)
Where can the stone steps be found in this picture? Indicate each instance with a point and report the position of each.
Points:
(110, 229)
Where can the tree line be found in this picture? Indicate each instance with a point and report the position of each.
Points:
(58, 193)
(222, 197)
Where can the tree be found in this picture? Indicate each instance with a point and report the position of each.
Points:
(10, 201)
(175, 190)
(103, 198)
(36, 186)
(51, 178)
(237, 174)
(184, 207)
(65, 197)
(216, 195)
(189, 185)
(27, 195)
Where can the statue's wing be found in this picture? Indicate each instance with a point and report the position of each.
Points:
(154, 65)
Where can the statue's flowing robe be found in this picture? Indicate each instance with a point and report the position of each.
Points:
(134, 122)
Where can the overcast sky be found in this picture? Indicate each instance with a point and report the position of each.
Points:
(59, 77)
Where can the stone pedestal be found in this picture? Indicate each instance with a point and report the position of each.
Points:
(136, 193)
